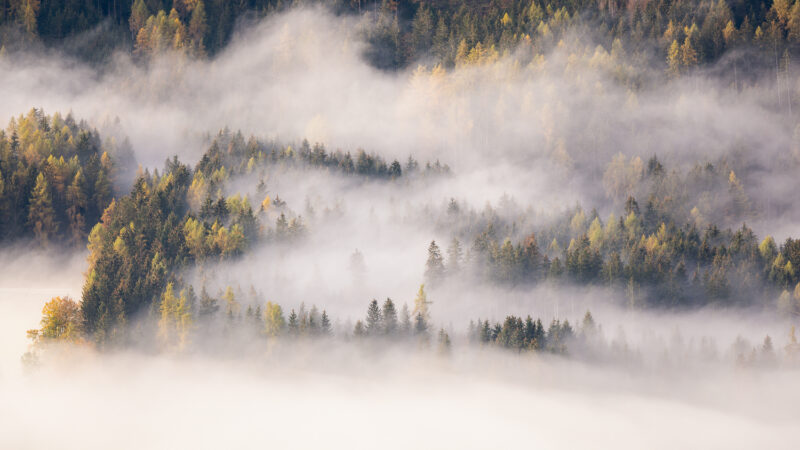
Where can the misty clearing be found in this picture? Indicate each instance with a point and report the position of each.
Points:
(399, 224)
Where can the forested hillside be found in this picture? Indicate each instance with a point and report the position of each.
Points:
(678, 35)
(461, 224)
(142, 243)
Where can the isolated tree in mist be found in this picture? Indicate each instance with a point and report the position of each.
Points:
(357, 265)
(588, 327)
(444, 342)
(454, 255)
(421, 303)
(389, 315)
(405, 320)
(273, 319)
(420, 326)
(325, 324)
(294, 325)
(373, 322)
(41, 214)
(359, 330)
(314, 321)
(61, 320)
(434, 267)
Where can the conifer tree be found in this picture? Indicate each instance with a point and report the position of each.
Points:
(374, 319)
(41, 214)
(434, 267)
(389, 315)
(405, 320)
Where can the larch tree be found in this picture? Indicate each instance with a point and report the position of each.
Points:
(689, 57)
(61, 320)
(421, 303)
(138, 17)
(274, 321)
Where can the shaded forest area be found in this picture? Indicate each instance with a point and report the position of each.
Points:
(676, 36)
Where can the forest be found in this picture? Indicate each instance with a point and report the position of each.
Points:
(685, 33)
(179, 217)
(505, 219)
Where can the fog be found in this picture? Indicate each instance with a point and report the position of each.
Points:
(527, 141)
(556, 121)
(309, 397)
(312, 394)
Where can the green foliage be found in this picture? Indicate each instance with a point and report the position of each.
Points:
(527, 335)
(55, 179)
(685, 34)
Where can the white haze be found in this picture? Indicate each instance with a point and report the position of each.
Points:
(302, 75)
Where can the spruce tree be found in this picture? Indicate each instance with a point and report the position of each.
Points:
(41, 214)
(373, 322)
(389, 318)
(434, 267)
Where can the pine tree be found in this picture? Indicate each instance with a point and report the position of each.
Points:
(198, 26)
(434, 267)
(454, 255)
(41, 214)
(359, 330)
(76, 209)
(373, 322)
(325, 324)
(405, 321)
(420, 326)
(208, 304)
(294, 325)
(389, 315)
(444, 342)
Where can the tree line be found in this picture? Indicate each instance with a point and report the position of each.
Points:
(686, 33)
(56, 187)
(185, 322)
(662, 265)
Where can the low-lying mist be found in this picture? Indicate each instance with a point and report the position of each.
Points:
(502, 124)
(533, 142)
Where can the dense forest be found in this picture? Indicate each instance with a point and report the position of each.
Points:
(675, 238)
(56, 178)
(679, 35)
(507, 219)
(141, 243)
